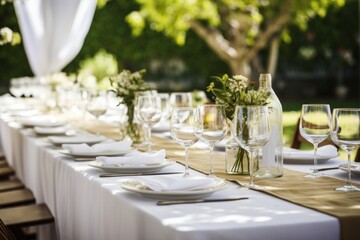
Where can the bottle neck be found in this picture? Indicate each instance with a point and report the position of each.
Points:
(265, 81)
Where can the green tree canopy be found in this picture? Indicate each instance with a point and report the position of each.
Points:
(235, 30)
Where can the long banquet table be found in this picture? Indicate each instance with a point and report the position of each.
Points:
(88, 207)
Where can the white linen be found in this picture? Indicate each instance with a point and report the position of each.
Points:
(87, 207)
(53, 31)
(134, 158)
(99, 147)
(327, 151)
(178, 183)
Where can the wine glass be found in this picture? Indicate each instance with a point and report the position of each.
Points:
(165, 106)
(315, 127)
(181, 99)
(213, 127)
(251, 129)
(149, 112)
(183, 130)
(97, 105)
(345, 132)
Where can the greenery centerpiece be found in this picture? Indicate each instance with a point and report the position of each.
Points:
(127, 85)
(231, 92)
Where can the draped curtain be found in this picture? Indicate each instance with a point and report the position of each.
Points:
(53, 31)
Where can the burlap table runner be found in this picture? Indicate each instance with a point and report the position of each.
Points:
(317, 194)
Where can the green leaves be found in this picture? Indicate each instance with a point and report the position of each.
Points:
(234, 91)
(172, 16)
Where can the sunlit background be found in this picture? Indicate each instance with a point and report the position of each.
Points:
(316, 57)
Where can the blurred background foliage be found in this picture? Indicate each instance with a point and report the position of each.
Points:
(318, 64)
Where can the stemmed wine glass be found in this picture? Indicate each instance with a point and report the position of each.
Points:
(97, 106)
(315, 127)
(213, 127)
(251, 129)
(181, 99)
(345, 132)
(183, 130)
(165, 106)
(149, 112)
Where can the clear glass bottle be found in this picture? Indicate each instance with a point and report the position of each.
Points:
(270, 156)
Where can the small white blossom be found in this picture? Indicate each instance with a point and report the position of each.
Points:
(6, 35)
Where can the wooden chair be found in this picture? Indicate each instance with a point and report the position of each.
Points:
(297, 140)
(11, 184)
(18, 210)
(28, 215)
(6, 172)
(5, 232)
(16, 197)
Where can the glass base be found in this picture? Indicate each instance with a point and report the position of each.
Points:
(314, 175)
(252, 186)
(347, 188)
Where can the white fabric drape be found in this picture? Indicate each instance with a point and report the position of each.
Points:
(53, 31)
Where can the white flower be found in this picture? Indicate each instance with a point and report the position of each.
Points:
(6, 35)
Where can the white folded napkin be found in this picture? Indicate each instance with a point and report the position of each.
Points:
(76, 139)
(178, 183)
(327, 151)
(51, 130)
(162, 126)
(98, 148)
(134, 158)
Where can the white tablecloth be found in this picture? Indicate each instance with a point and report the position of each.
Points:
(88, 207)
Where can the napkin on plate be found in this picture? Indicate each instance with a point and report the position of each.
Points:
(327, 151)
(98, 148)
(134, 158)
(178, 183)
(51, 130)
(76, 139)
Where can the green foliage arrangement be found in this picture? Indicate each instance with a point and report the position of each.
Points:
(126, 85)
(236, 90)
(231, 92)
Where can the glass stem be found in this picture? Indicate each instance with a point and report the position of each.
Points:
(186, 173)
(315, 170)
(148, 133)
(97, 129)
(211, 172)
(251, 166)
(348, 183)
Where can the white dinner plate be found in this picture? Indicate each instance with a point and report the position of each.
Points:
(355, 168)
(139, 187)
(62, 130)
(95, 154)
(41, 121)
(291, 155)
(92, 139)
(131, 168)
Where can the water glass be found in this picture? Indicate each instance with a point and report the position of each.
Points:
(315, 127)
(212, 127)
(149, 112)
(183, 130)
(251, 129)
(345, 132)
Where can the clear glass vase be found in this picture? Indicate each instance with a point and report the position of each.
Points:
(236, 159)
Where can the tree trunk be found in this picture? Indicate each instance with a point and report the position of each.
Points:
(273, 56)
(238, 67)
